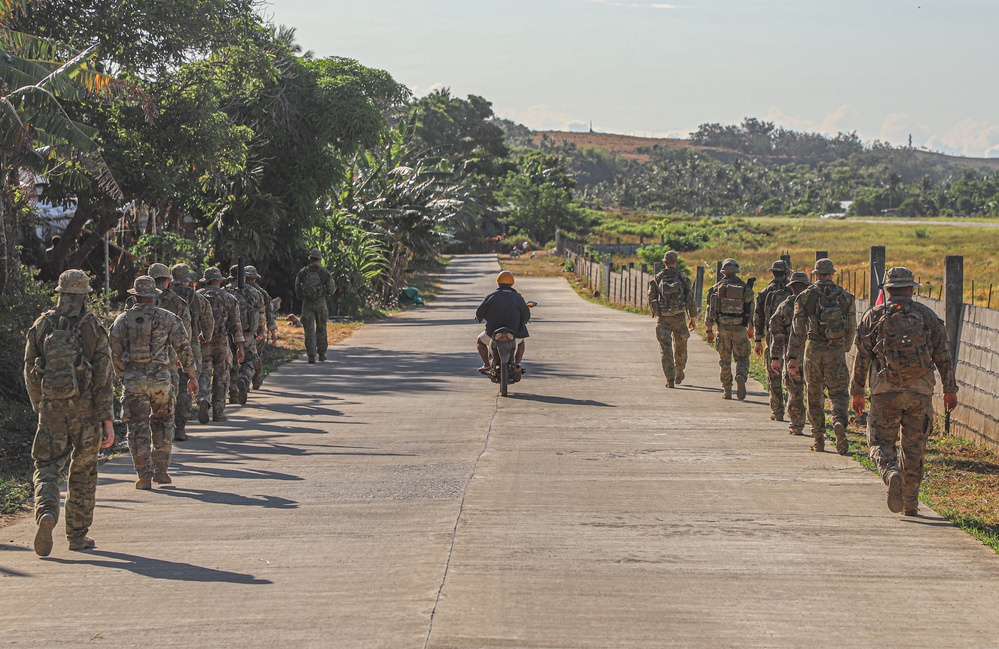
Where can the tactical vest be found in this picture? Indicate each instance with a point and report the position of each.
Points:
(672, 297)
(732, 304)
(903, 344)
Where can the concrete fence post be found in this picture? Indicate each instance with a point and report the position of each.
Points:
(953, 300)
(787, 259)
(821, 254)
(718, 273)
(605, 276)
(878, 257)
(699, 288)
(558, 242)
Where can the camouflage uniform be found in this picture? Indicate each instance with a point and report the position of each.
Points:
(732, 340)
(767, 302)
(270, 321)
(780, 330)
(671, 323)
(145, 340)
(70, 428)
(906, 405)
(202, 325)
(824, 358)
(315, 310)
(215, 353)
(251, 317)
(178, 306)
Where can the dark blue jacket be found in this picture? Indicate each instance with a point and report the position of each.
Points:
(504, 307)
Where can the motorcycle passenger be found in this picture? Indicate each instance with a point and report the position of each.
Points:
(503, 308)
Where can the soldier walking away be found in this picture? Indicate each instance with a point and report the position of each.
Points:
(899, 343)
(178, 306)
(730, 307)
(671, 298)
(146, 341)
(767, 302)
(313, 286)
(268, 319)
(202, 327)
(216, 356)
(252, 318)
(780, 330)
(67, 371)
(825, 321)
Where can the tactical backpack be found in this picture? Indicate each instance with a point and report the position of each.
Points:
(312, 284)
(775, 297)
(903, 345)
(671, 294)
(217, 303)
(732, 304)
(65, 374)
(139, 330)
(830, 316)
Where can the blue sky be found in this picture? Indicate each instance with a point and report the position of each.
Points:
(882, 68)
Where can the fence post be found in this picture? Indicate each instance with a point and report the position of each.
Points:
(787, 260)
(558, 242)
(877, 271)
(605, 276)
(821, 254)
(953, 299)
(718, 273)
(699, 288)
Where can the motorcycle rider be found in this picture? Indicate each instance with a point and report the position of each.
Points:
(503, 308)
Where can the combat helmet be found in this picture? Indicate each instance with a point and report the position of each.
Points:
(730, 267)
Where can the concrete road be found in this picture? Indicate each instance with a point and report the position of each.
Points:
(388, 498)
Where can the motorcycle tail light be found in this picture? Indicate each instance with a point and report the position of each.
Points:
(504, 337)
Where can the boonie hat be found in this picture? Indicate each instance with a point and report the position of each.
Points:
(144, 286)
(181, 273)
(730, 266)
(671, 257)
(899, 277)
(799, 278)
(212, 273)
(251, 272)
(824, 266)
(315, 254)
(74, 282)
(779, 266)
(159, 271)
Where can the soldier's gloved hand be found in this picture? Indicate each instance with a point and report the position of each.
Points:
(792, 367)
(950, 402)
(691, 324)
(711, 336)
(107, 438)
(273, 338)
(192, 387)
(750, 333)
(759, 349)
(776, 365)
(859, 402)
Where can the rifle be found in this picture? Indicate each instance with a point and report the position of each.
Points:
(947, 423)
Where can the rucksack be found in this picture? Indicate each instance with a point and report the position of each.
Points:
(217, 303)
(903, 345)
(775, 297)
(827, 307)
(312, 284)
(732, 304)
(65, 373)
(139, 331)
(671, 295)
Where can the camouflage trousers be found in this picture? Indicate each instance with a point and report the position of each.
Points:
(314, 317)
(213, 383)
(243, 371)
(258, 363)
(148, 409)
(672, 333)
(775, 385)
(912, 415)
(795, 400)
(826, 371)
(67, 430)
(182, 410)
(731, 343)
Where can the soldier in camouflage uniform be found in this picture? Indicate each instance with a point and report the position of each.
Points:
(146, 344)
(671, 298)
(730, 306)
(780, 330)
(67, 371)
(825, 321)
(899, 343)
(767, 302)
(270, 320)
(178, 306)
(252, 320)
(202, 327)
(215, 352)
(313, 286)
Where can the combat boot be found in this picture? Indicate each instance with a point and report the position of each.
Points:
(82, 543)
(322, 357)
(143, 484)
(795, 431)
(910, 508)
(43, 537)
(819, 445)
(894, 492)
(670, 383)
(777, 416)
(218, 410)
(679, 377)
(242, 390)
(233, 396)
(162, 478)
(203, 412)
(740, 388)
(180, 431)
(257, 383)
(842, 443)
(728, 392)
(312, 359)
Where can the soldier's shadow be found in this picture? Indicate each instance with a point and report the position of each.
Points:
(161, 569)
(224, 498)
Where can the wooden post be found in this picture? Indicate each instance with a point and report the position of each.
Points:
(787, 260)
(699, 288)
(877, 271)
(953, 300)
(821, 254)
(558, 242)
(606, 278)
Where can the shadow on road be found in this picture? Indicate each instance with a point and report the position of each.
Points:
(225, 498)
(560, 401)
(160, 569)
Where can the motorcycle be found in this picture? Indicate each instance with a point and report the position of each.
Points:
(503, 368)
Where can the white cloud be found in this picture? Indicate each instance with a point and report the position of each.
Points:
(635, 5)
(838, 121)
(542, 117)
(968, 137)
(423, 92)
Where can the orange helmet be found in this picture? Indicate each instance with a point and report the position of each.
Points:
(505, 277)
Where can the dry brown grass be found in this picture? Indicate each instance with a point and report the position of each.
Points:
(542, 265)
